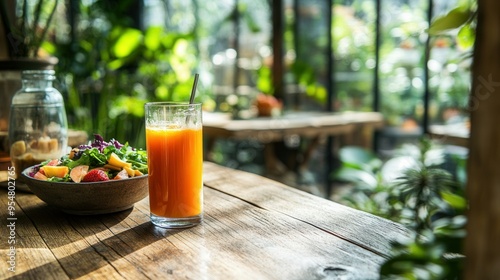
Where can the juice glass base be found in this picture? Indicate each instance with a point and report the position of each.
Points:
(176, 222)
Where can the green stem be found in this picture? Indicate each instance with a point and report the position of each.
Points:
(45, 29)
(24, 24)
(38, 11)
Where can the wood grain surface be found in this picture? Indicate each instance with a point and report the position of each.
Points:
(253, 228)
(308, 124)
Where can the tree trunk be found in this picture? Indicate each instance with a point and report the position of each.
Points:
(482, 247)
(4, 48)
(10, 6)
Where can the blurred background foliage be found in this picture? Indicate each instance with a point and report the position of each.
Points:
(113, 59)
(422, 188)
(109, 69)
(116, 55)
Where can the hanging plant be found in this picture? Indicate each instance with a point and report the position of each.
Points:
(25, 29)
(461, 18)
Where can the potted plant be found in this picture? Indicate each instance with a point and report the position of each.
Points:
(23, 28)
(23, 32)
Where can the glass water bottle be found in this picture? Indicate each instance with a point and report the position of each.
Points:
(38, 128)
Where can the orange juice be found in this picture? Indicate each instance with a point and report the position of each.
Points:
(175, 163)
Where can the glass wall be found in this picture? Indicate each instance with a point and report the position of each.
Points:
(384, 64)
(449, 68)
(354, 49)
(337, 55)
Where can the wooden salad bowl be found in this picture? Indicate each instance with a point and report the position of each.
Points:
(89, 198)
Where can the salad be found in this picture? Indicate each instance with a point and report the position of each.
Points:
(97, 161)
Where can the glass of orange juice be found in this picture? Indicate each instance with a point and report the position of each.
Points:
(175, 163)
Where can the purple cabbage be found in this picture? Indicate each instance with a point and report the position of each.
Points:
(34, 170)
(98, 143)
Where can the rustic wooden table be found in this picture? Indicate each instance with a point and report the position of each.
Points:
(348, 128)
(308, 124)
(450, 134)
(253, 228)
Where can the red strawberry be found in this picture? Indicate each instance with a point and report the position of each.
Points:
(95, 175)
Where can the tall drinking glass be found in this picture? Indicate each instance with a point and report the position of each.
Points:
(175, 163)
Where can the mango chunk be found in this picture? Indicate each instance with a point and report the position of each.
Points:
(55, 171)
(117, 161)
(130, 171)
(112, 167)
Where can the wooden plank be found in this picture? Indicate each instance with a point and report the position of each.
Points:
(293, 120)
(278, 246)
(363, 229)
(308, 124)
(449, 135)
(241, 237)
(29, 247)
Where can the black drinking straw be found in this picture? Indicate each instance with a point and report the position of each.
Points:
(193, 93)
(193, 90)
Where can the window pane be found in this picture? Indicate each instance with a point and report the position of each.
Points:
(402, 59)
(449, 78)
(354, 53)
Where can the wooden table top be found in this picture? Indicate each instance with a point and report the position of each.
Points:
(457, 134)
(268, 129)
(253, 228)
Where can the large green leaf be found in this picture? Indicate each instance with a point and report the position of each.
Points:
(129, 41)
(152, 38)
(359, 157)
(264, 83)
(169, 39)
(453, 19)
(456, 201)
(115, 64)
(127, 105)
(356, 176)
(466, 36)
(162, 92)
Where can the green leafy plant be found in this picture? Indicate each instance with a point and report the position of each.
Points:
(414, 190)
(463, 18)
(24, 34)
(110, 69)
